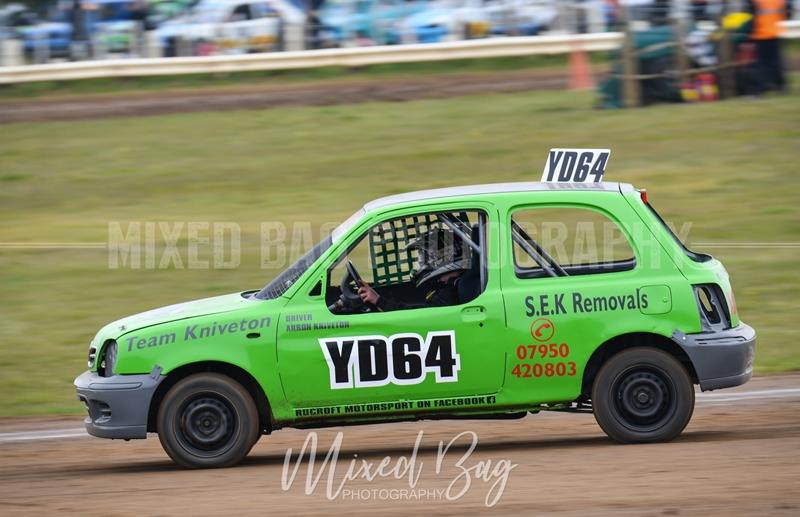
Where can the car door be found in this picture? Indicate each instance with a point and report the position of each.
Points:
(239, 27)
(560, 311)
(267, 25)
(379, 362)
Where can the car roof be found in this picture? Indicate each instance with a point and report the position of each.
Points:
(495, 188)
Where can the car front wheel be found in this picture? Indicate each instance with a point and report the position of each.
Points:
(643, 395)
(207, 420)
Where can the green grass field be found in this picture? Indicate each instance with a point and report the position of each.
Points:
(728, 168)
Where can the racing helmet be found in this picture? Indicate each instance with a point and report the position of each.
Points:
(439, 251)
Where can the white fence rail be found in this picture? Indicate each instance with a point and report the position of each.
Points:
(348, 57)
(792, 29)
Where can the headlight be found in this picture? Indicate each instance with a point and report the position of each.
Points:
(108, 360)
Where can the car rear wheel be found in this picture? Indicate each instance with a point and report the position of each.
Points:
(207, 420)
(643, 395)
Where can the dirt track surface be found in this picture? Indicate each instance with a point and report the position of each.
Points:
(737, 457)
(269, 96)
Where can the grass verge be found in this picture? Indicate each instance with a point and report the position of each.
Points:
(127, 85)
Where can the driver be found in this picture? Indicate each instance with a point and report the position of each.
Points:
(442, 259)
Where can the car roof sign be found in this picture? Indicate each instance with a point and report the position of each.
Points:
(575, 165)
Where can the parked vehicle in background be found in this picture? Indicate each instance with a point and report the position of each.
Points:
(447, 20)
(122, 28)
(160, 11)
(521, 17)
(234, 26)
(99, 27)
(378, 22)
(341, 20)
(41, 39)
(14, 16)
(113, 26)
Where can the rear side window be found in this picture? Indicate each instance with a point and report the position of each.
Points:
(697, 257)
(560, 241)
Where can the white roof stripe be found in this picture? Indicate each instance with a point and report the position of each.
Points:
(494, 188)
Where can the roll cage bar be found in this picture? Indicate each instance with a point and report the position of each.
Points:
(536, 252)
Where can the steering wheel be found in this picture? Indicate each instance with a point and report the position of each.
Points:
(350, 296)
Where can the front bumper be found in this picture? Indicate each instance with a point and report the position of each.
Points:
(118, 406)
(722, 359)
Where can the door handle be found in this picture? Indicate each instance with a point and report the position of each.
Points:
(473, 313)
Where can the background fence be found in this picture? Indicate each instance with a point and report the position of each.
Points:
(128, 50)
(349, 57)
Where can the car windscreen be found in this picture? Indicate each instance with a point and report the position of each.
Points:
(281, 283)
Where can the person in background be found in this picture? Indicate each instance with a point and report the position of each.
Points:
(661, 12)
(139, 11)
(611, 10)
(698, 9)
(80, 32)
(139, 14)
(313, 29)
(767, 18)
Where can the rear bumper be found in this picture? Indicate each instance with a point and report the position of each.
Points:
(118, 406)
(722, 359)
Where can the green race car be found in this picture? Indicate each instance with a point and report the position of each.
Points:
(489, 301)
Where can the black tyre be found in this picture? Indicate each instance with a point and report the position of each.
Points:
(643, 395)
(207, 420)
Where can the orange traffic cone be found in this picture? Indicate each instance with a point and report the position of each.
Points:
(580, 71)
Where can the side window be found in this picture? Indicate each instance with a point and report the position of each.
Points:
(416, 261)
(241, 13)
(360, 257)
(553, 241)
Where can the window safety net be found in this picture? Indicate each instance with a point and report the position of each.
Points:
(392, 263)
